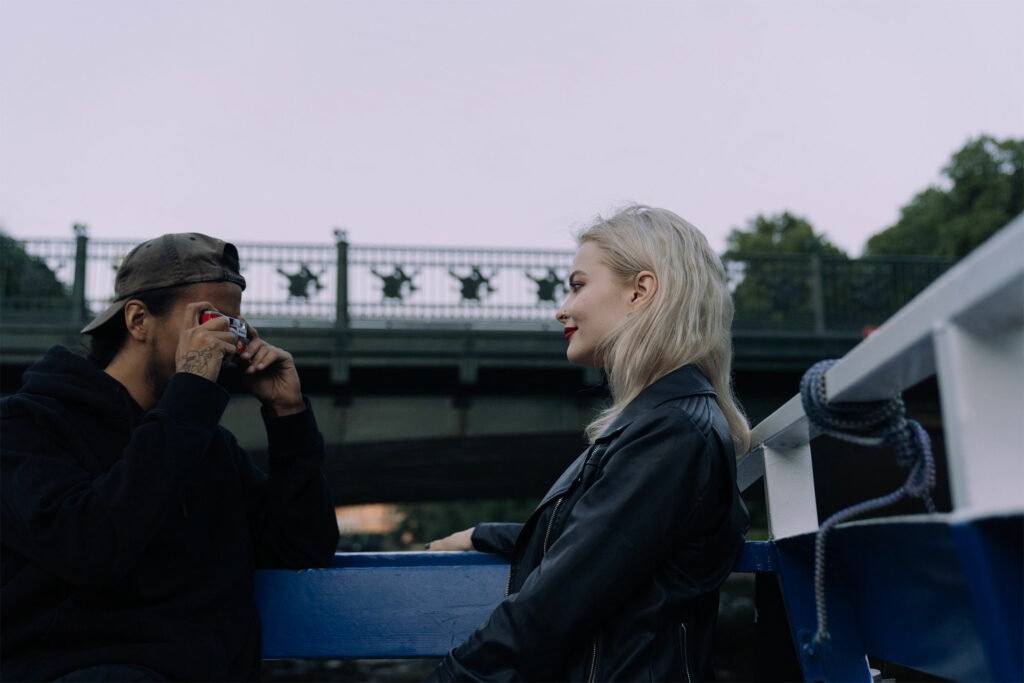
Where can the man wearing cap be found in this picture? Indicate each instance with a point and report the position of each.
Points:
(131, 520)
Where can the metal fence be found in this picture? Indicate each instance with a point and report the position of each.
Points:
(337, 284)
(822, 292)
(455, 284)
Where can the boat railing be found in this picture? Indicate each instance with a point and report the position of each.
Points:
(940, 593)
(967, 328)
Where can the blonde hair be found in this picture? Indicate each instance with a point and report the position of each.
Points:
(688, 320)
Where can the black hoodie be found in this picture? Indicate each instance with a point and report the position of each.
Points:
(130, 537)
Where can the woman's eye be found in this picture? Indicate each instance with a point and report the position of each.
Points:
(574, 286)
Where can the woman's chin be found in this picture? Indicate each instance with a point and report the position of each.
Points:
(583, 360)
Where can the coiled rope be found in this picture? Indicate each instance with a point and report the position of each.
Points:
(868, 423)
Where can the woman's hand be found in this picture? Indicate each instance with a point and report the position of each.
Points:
(460, 540)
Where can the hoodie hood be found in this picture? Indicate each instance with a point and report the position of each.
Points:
(76, 384)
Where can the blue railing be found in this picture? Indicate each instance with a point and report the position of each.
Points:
(394, 605)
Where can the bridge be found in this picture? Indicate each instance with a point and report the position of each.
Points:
(421, 361)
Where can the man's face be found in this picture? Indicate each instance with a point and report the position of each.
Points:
(225, 297)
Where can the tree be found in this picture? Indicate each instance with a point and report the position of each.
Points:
(27, 283)
(984, 191)
(783, 233)
(770, 263)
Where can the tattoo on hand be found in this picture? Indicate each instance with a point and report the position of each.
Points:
(196, 362)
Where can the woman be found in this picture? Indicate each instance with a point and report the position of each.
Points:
(615, 576)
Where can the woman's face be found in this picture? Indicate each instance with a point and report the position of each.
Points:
(597, 302)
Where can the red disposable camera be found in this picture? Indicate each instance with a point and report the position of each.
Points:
(234, 324)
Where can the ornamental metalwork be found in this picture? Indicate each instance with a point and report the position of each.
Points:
(342, 283)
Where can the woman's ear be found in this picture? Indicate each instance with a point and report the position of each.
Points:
(138, 320)
(644, 286)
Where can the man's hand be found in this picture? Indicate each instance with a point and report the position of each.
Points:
(460, 540)
(202, 348)
(271, 376)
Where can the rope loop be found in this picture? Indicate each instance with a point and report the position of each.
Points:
(867, 423)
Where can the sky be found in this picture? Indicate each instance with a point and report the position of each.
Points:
(488, 123)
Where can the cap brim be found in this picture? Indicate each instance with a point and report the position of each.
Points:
(105, 317)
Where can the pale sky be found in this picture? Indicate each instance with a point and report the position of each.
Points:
(486, 123)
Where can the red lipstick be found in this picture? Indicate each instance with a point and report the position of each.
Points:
(569, 331)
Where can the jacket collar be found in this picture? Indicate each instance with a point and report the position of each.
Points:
(681, 382)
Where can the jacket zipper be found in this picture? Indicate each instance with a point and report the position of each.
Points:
(547, 539)
(593, 663)
(547, 535)
(551, 523)
(686, 655)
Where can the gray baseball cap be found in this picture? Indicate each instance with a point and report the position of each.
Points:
(185, 258)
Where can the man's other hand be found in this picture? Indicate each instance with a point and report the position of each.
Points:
(271, 376)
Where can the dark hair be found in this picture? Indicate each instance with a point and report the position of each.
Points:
(105, 342)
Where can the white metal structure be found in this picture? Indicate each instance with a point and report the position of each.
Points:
(942, 592)
(968, 328)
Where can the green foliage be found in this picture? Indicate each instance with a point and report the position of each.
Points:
(985, 192)
(769, 262)
(429, 521)
(26, 282)
(782, 233)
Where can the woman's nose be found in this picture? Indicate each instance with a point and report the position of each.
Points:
(562, 315)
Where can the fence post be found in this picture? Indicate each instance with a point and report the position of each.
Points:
(79, 311)
(817, 289)
(341, 318)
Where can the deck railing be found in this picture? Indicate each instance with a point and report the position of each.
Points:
(342, 283)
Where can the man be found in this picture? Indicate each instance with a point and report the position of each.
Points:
(131, 521)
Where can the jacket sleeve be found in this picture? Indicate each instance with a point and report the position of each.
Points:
(91, 530)
(291, 509)
(496, 537)
(655, 477)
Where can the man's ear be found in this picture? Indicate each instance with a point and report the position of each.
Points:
(138, 320)
(645, 284)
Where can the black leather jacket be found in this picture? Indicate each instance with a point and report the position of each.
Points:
(615, 576)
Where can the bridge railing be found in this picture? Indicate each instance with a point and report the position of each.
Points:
(342, 283)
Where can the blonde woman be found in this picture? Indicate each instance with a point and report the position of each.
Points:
(615, 576)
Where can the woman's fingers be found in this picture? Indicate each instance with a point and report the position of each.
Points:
(460, 540)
